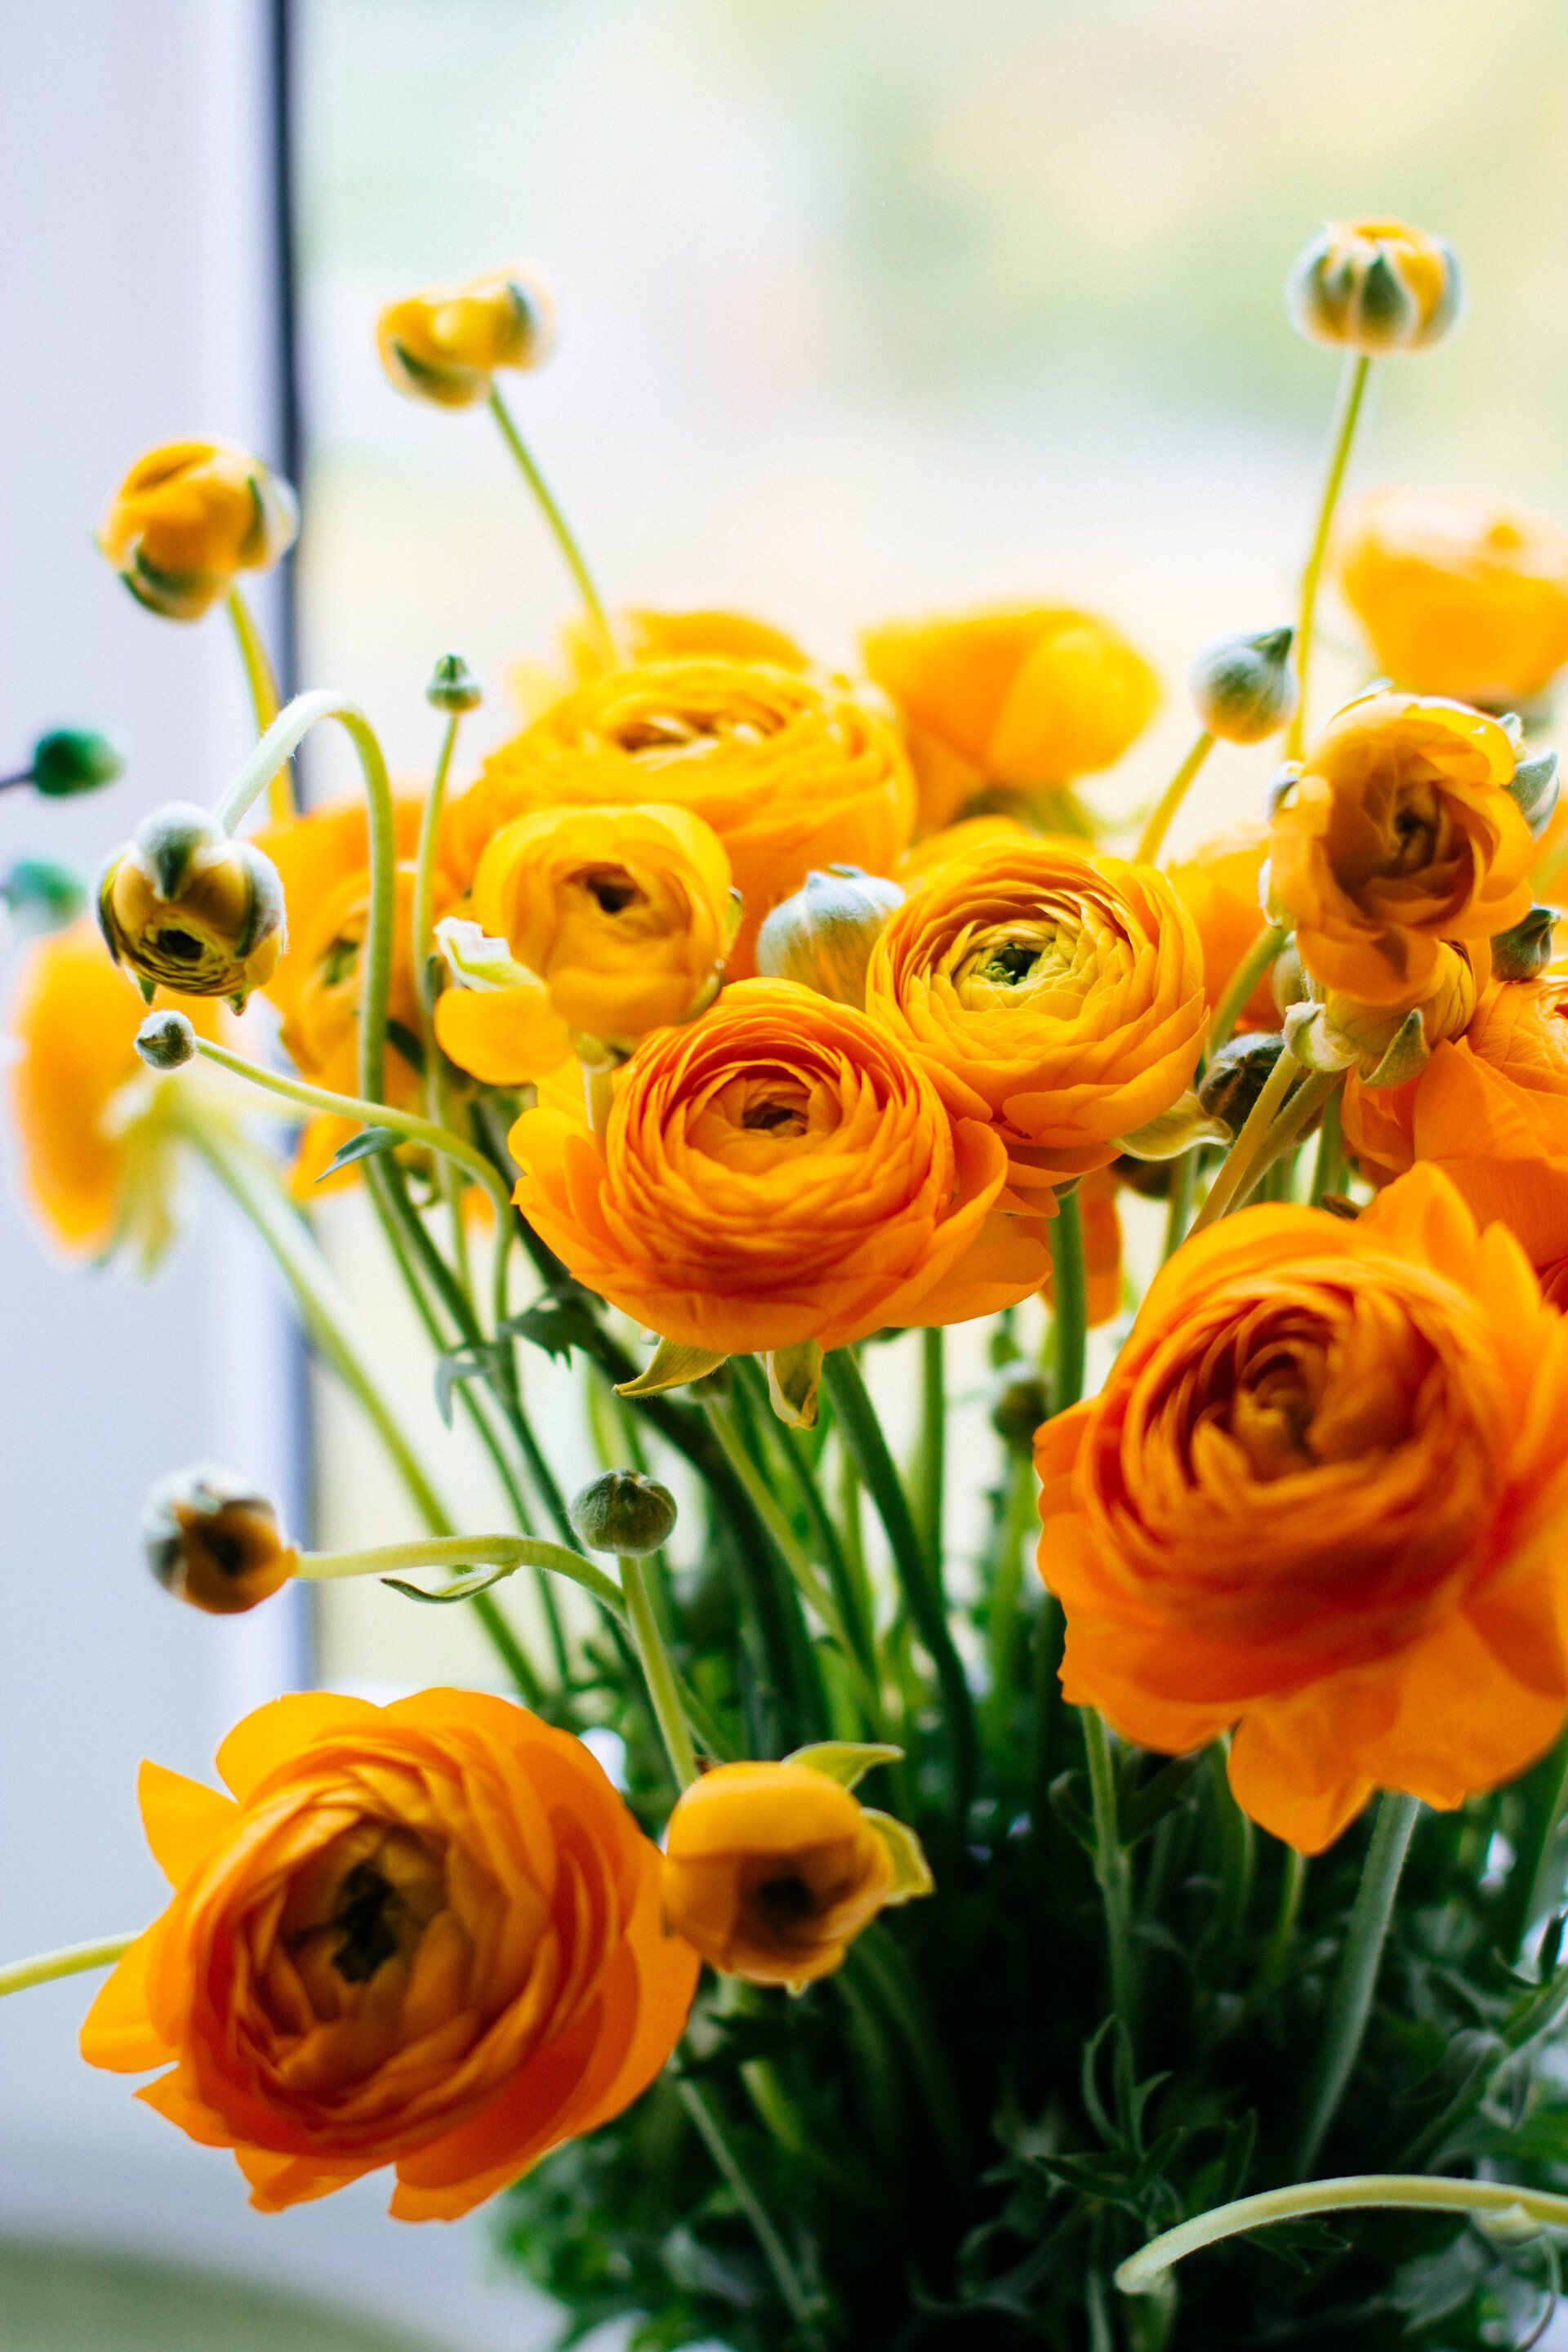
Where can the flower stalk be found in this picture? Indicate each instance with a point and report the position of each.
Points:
(1354, 375)
(1161, 816)
(559, 527)
(264, 701)
(1350, 2004)
(69, 1960)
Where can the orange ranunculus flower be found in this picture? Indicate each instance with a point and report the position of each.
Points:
(444, 344)
(772, 1870)
(323, 860)
(1399, 833)
(923, 857)
(425, 1935)
(778, 1172)
(1011, 700)
(1490, 1110)
(1219, 883)
(189, 518)
(1322, 1499)
(790, 772)
(1458, 596)
(1057, 995)
(97, 1154)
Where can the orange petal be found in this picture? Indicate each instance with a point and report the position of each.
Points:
(276, 1732)
(117, 2033)
(184, 1819)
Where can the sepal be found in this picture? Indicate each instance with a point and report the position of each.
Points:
(848, 1761)
(671, 1367)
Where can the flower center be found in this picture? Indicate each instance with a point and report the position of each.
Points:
(784, 1902)
(369, 1923)
(610, 888)
(1011, 963)
(365, 1901)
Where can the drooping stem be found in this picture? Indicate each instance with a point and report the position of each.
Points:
(702, 2107)
(264, 698)
(463, 1551)
(930, 1478)
(1264, 951)
(1244, 1160)
(1153, 838)
(1112, 1869)
(663, 1690)
(1350, 2003)
(1069, 1302)
(1141, 2273)
(69, 1960)
(560, 530)
(1341, 433)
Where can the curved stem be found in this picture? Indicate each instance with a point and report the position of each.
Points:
(463, 1551)
(1244, 1160)
(700, 2106)
(1350, 2004)
(69, 1960)
(1265, 950)
(1153, 838)
(1141, 2273)
(264, 697)
(1341, 433)
(1111, 1867)
(559, 528)
(1069, 1302)
(658, 1674)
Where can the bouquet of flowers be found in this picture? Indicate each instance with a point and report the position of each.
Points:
(842, 1934)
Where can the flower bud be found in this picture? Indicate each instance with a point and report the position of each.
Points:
(1374, 287)
(453, 686)
(213, 1541)
(444, 344)
(40, 896)
(1331, 1030)
(623, 1512)
(75, 759)
(1021, 1401)
(824, 935)
(190, 909)
(166, 1040)
(1288, 979)
(1238, 1075)
(1521, 953)
(1244, 687)
(188, 517)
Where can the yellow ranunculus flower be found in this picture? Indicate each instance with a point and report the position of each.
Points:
(1015, 700)
(446, 343)
(1374, 287)
(1458, 596)
(189, 908)
(189, 516)
(791, 771)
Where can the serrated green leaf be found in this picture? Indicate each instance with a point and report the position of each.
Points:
(362, 1146)
(556, 1325)
(458, 1364)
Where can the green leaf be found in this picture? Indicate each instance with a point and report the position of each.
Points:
(462, 1587)
(848, 1761)
(794, 1375)
(1160, 1795)
(912, 1871)
(672, 1366)
(557, 1324)
(362, 1146)
(1070, 1810)
(409, 1045)
(465, 1363)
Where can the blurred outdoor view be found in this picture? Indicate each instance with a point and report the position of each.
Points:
(868, 308)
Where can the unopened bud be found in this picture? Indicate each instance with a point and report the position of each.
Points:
(213, 1541)
(1244, 687)
(444, 344)
(824, 935)
(75, 759)
(453, 686)
(1521, 953)
(1020, 1403)
(1236, 1077)
(40, 896)
(1374, 287)
(623, 1512)
(190, 909)
(189, 518)
(166, 1040)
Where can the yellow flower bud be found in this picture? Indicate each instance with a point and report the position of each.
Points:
(446, 343)
(213, 1541)
(1385, 1045)
(1374, 287)
(188, 517)
(824, 935)
(186, 906)
(1244, 687)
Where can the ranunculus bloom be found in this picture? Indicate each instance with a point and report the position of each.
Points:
(789, 770)
(1490, 1110)
(324, 861)
(623, 913)
(1012, 700)
(445, 344)
(1218, 883)
(778, 1172)
(427, 1934)
(1058, 996)
(1323, 1498)
(1399, 833)
(188, 517)
(1458, 596)
(772, 1870)
(644, 635)
(94, 1155)
(923, 857)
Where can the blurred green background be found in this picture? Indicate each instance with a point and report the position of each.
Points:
(54, 2299)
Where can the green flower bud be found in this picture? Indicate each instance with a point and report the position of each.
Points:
(823, 936)
(75, 759)
(213, 1541)
(1521, 953)
(1244, 687)
(188, 908)
(1019, 1404)
(1236, 1077)
(166, 1040)
(453, 686)
(623, 1512)
(40, 896)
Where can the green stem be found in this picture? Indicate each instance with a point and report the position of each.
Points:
(1357, 2192)
(69, 1960)
(702, 2107)
(463, 1551)
(781, 1534)
(658, 1674)
(1112, 1868)
(1007, 1590)
(1350, 2004)
(930, 1466)
(1244, 1162)
(264, 697)
(1069, 1302)
(862, 1432)
(883, 1969)
(423, 929)
(1541, 1882)
(1153, 839)
(1329, 1170)
(559, 527)
(1341, 433)
(1265, 950)
(1179, 1208)
(1317, 1091)
(1293, 1886)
